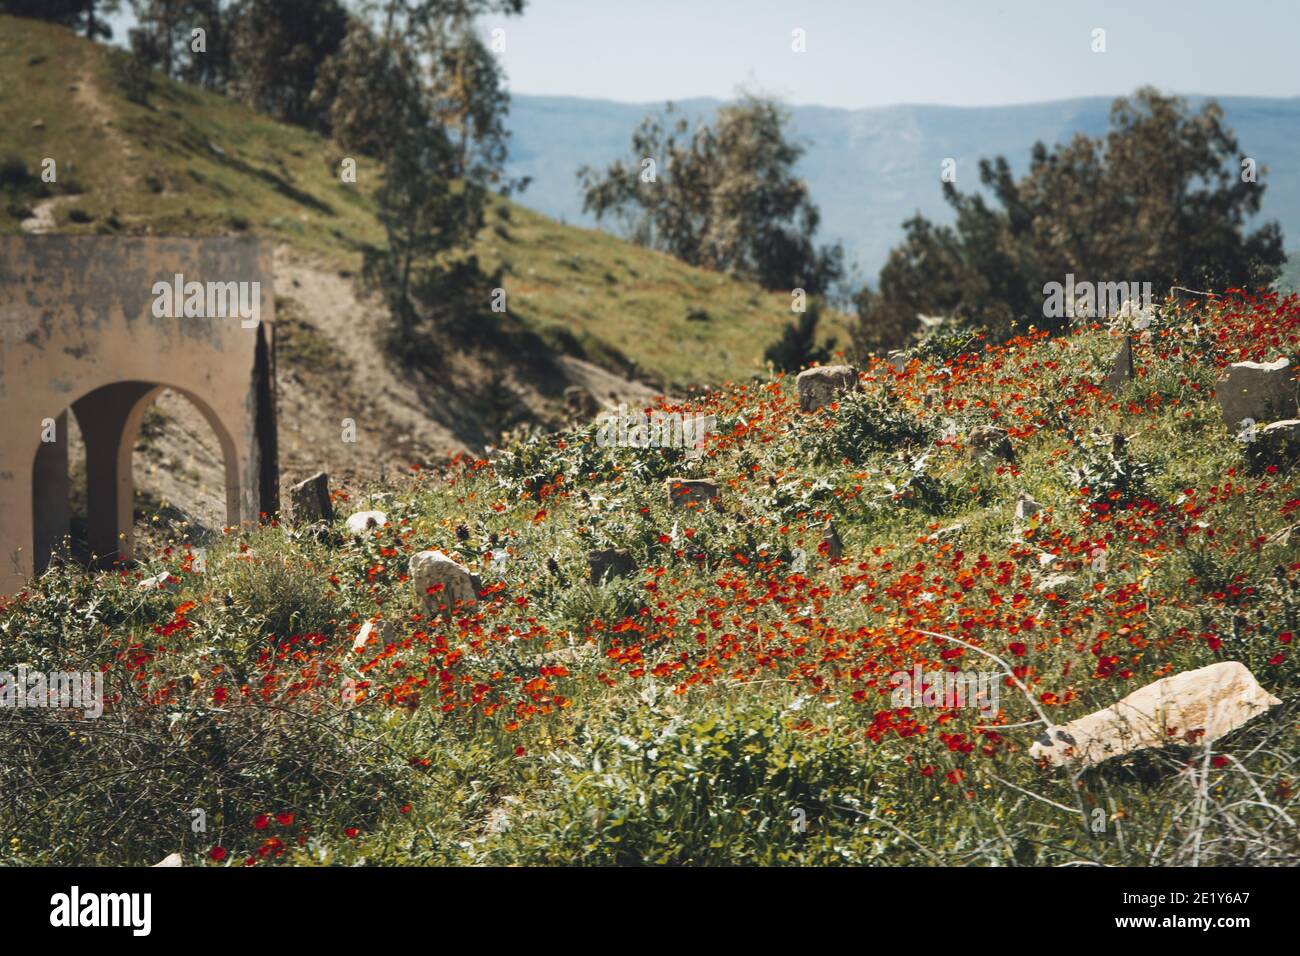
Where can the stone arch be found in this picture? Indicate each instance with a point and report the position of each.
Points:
(82, 328)
(110, 417)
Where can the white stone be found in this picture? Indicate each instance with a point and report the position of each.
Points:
(1054, 582)
(158, 582)
(363, 521)
(431, 568)
(990, 440)
(381, 631)
(1214, 699)
(171, 859)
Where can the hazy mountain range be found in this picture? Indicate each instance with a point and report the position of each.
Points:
(870, 169)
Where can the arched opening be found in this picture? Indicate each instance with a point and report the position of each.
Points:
(111, 421)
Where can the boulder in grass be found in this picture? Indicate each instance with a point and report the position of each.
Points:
(990, 441)
(685, 491)
(1191, 708)
(610, 563)
(824, 384)
(440, 582)
(1259, 391)
(311, 500)
(364, 521)
(1281, 439)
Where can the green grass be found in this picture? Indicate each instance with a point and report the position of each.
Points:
(193, 163)
(696, 712)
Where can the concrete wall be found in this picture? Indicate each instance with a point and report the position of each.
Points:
(78, 331)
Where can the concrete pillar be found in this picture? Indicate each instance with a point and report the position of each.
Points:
(50, 495)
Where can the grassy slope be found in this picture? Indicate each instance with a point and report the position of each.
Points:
(684, 714)
(193, 163)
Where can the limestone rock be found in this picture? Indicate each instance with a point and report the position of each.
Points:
(824, 384)
(986, 440)
(311, 500)
(1121, 368)
(432, 568)
(611, 563)
(684, 491)
(1282, 439)
(364, 521)
(380, 631)
(1193, 707)
(1260, 391)
(1055, 582)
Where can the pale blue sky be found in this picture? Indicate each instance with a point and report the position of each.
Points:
(874, 53)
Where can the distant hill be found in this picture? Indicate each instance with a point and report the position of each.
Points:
(870, 169)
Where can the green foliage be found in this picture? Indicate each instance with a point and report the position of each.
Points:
(132, 75)
(868, 422)
(736, 787)
(1106, 472)
(946, 343)
(278, 50)
(84, 16)
(797, 347)
(724, 196)
(1093, 208)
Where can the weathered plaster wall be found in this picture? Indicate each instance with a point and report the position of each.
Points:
(77, 330)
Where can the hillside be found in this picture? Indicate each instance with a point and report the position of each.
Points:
(870, 169)
(583, 309)
(732, 699)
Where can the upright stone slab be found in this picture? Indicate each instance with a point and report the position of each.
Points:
(610, 563)
(831, 538)
(1261, 391)
(311, 500)
(1121, 368)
